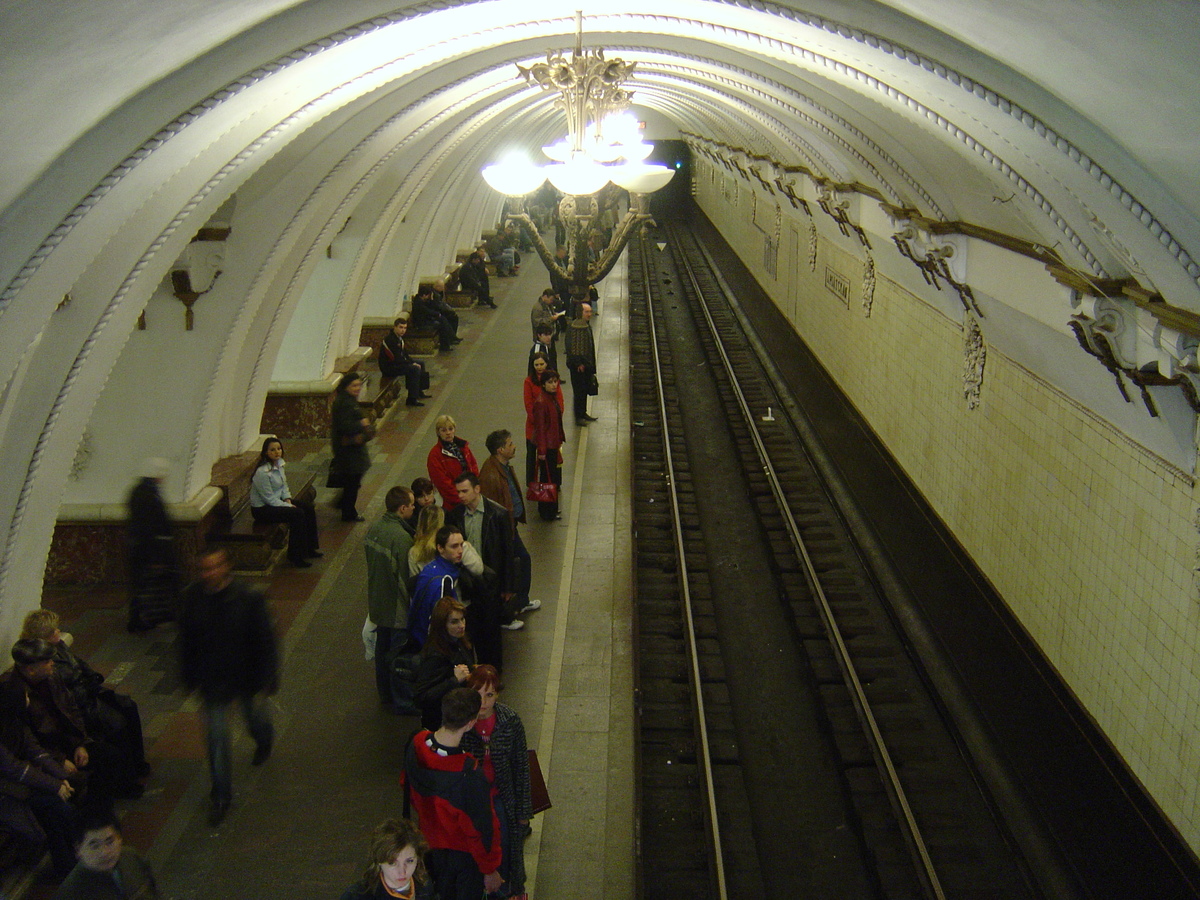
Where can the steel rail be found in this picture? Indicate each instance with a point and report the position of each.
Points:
(912, 833)
(705, 758)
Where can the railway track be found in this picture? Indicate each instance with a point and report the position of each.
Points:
(789, 746)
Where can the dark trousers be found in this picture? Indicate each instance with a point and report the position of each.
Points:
(59, 821)
(348, 503)
(416, 379)
(524, 566)
(455, 875)
(116, 719)
(581, 383)
(384, 651)
(220, 763)
(301, 521)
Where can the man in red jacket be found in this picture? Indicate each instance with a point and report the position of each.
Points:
(450, 793)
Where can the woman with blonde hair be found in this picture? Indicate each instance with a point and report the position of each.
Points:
(450, 457)
(424, 547)
(397, 867)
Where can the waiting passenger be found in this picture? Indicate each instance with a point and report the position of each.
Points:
(438, 579)
(532, 388)
(397, 867)
(543, 343)
(426, 316)
(395, 362)
(474, 277)
(499, 483)
(34, 808)
(350, 432)
(424, 494)
(447, 659)
(450, 457)
(498, 738)
(453, 800)
(113, 717)
(39, 713)
(271, 501)
(387, 545)
(548, 438)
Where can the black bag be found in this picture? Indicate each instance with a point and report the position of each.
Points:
(593, 386)
(404, 666)
(334, 479)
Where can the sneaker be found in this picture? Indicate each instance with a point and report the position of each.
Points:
(531, 606)
(514, 625)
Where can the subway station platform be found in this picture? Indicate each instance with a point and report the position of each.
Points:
(298, 826)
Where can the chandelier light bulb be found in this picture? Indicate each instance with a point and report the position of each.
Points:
(514, 176)
(642, 178)
(578, 176)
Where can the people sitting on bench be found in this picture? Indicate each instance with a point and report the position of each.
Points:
(271, 501)
(395, 362)
(426, 315)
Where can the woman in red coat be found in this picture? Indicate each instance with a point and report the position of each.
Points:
(540, 363)
(450, 457)
(548, 437)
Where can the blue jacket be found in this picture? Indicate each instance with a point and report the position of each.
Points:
(431, 587)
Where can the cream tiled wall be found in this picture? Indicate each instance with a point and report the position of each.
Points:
(1090, 538)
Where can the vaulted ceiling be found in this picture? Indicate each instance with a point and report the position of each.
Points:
(127, 124)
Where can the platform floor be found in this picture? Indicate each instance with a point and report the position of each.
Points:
(299, 823)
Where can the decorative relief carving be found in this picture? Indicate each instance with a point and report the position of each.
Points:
(868, 286)
(974, 358)
(83, 456)
(812, 246)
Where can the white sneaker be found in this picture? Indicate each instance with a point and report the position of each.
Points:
(531, 606)
(514, 625)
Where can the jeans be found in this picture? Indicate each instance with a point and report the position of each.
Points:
(220, 764)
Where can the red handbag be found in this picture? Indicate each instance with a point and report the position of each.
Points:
(543, 491)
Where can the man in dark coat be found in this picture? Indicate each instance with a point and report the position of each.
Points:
(425, 314)
(489, 528)
(229, 653)
(395, 362)
(581, 361)
(107, 869)
(498, 482)
(474, 277)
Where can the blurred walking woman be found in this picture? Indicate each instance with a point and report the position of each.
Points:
(397, 867)
(271, 501)
(548, 437)
(498, 738)
(351, 431)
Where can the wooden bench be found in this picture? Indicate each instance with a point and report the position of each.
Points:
(379, 391)
(253, 547)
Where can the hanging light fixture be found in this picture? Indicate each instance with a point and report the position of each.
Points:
(603, 146)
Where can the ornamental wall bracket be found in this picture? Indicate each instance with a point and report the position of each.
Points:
(1135, 345)
(837, 207)
(940, 258)
(197, 270)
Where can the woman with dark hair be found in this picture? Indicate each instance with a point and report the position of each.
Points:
(498, 738)
(450, 457)
(538, 364)
(447, 659)
(397, 867)
(271, 501)
(351, 431)
(547, 437)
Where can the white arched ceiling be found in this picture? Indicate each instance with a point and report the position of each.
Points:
(1067, 125)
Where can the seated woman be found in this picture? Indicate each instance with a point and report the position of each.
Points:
(271, 501)
(111, 716)
(447, 659)
(450, 457)
(498, 738)
(397, 867)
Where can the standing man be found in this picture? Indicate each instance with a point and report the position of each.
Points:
(488, 526)
(543, 342)
(386, 545)
(581, 361)
(545, 312)
(229, 653)
(498, 482)
(438, 579)
(394, 362)
(453, 801)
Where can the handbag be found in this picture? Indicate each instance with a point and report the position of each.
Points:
(593, 386)
(539, 797)
(543, 491)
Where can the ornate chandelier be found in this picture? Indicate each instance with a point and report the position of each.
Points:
(603, 146)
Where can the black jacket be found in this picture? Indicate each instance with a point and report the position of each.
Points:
(497, 540)
(227, 641)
